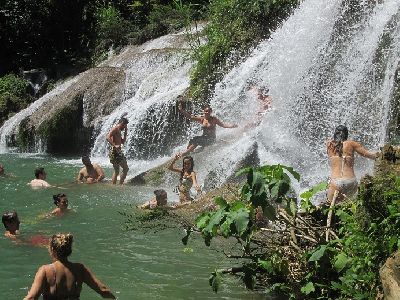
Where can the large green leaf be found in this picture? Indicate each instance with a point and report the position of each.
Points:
(225, 227)
(317, 254)
(308, 288)
(215, 220)
(202, 220)
(243, 171)
(341, 261)
(241, 219)
(269, 211)
(293, 172)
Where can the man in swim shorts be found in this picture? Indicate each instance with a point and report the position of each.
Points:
(11, 223)
(208, 123)
(117, 158)
(90, 173)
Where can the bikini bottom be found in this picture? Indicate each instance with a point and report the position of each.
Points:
(346, 186)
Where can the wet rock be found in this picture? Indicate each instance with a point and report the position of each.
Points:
(390, 277)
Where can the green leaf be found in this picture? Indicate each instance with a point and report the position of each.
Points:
(225, 227)
(341, 261)
(266, 265)
(241, 219)
(202, 220)
(215, 220)
(317, 254)
(269, 212)
(215, 280)
(308, 288)
(244, 171)
(293, 172)
(221, 202)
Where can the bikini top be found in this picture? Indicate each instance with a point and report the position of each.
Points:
(187, 181)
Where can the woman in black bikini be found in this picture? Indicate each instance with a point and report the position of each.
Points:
(63, 279)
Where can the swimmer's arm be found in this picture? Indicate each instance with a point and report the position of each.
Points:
(224, 125)
(37, 285)
(95, 284)
(80, 176)
(99, 171)
(172, 167)
(363, 152)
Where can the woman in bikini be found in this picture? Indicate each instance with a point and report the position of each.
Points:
(63, 279)
(187, 179)
(341, 156)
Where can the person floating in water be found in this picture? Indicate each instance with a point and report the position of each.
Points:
(160, 200)
(39, 181)
(63, 279)
(90, 173)
(341, 156)
(116, 156)
(61, 201)
(187, 178)
(11, 223)
(208, 124)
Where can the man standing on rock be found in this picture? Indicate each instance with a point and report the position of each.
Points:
(117, 158)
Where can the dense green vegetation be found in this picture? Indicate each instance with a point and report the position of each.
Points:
(294, 257)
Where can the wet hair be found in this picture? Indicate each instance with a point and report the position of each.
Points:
(209, 107)
(9, 216)
(61, 244)
(39, 171)
(183, 165)
(85, 159)
(57, 198)
(161, 197)
(123, 120)
(340, 135)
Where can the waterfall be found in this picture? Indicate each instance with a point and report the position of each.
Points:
(330, 63)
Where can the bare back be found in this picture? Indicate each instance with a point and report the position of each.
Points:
(343, 166)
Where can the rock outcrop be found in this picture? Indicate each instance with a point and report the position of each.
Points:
(390, 277)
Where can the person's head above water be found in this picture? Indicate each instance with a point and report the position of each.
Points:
(40, 173)
(10, 220)
(123, 120)
(161, 197)
(60, 245)
(339, 136)
(60, 200)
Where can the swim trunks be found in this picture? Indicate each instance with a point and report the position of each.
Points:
(202, 140)
(116, 156)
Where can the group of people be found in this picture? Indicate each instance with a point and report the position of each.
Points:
(63, 279)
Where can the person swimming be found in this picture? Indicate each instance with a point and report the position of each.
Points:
(160, 200)
(39, 181)
(61, 201)
(11, 223)
(90, 173)
(187, 178)
(63, 279)
(341, 156)
(208, 123)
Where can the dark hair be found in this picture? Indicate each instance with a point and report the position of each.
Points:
(123, 120)
(39, 171)
(161, 197)
(9, 216)
(61, 244)
(57, 198)
(341, 134)
(85, 158)
(183, 165)
(207, 106)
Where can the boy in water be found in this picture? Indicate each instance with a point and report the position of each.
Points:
(117, 158)
(39, 181)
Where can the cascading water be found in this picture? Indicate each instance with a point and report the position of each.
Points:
(324, 67)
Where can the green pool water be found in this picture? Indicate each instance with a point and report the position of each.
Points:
(134, 264)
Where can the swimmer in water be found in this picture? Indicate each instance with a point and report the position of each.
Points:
(11, 223)
(61, 201)
(160, 200)
(39, 181)
(63, 279)
(90, 173)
